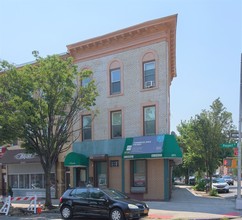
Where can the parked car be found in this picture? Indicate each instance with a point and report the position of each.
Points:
(192, 180)
(228, 179)
(96, 202)
(220, 185)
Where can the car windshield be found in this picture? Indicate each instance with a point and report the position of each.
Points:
(226, 177)
(219, 180)
(115, 194)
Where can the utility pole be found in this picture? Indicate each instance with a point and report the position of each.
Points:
(239, 200)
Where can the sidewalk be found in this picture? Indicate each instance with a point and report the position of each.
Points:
(188, 204)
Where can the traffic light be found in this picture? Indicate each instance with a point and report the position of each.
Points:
(227, 162)
(230, 162)
(234, 163)
(236, 151)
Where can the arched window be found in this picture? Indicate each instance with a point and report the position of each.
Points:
(115, 78)
(149, 70)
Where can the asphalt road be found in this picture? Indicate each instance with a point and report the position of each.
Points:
(184, 204)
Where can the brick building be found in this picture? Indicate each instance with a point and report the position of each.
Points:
(127, 145)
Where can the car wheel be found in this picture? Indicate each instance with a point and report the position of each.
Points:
(228, 191)
(66, 212)
(116, 214)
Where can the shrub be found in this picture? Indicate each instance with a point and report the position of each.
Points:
(200, 186)
(213, 192)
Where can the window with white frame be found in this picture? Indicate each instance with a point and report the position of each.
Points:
(29, 181)
(86, 127)
(115, 81)
(116, 124)
(149, 120)
(148, 74)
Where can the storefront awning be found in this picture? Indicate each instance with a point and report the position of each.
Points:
(74, 159)
(18, 156)
(159, 146)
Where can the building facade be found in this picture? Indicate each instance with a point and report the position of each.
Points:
(124, 142)
(127, 145)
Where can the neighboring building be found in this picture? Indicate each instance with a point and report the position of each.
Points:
(24, 174)
(128, 145)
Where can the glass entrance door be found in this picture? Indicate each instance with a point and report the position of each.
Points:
(101, 177)
(81, 176)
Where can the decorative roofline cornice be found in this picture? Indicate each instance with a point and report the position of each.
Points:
(154, 31)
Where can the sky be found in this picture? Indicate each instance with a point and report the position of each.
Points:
(208, 41)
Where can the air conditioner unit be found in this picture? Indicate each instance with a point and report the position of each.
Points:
(149, 84)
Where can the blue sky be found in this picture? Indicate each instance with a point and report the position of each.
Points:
(208, 43)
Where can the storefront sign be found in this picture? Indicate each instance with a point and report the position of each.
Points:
(24, 156)
(146, 145)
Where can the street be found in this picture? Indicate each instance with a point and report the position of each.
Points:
(184, 204)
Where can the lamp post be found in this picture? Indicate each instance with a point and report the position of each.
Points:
(238, 199)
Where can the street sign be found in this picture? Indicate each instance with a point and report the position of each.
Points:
(234, 134)
(228, 145)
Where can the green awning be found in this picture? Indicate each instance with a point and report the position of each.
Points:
(171, 148)
(75, 159)
(158, 146)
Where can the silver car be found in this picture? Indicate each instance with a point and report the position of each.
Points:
(229, 180)
(220, 185)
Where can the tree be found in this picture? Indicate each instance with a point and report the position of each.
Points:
(192, 159)
(40, 105)
(202, 136)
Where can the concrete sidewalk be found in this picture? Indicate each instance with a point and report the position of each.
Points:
(184, 204)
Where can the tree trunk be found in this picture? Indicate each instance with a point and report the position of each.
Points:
(48, 202)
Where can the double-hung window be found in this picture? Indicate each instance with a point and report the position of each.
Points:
(148, 74)
(115, 81)
(116, 124)
(149, 120)
(86, 127)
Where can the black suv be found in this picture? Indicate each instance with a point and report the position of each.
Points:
(96, 202)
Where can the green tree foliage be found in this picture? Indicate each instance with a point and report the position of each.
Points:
(202, 136)
(40, 105)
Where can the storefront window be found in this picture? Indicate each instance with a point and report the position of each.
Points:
(37, 181)
(138, 172)
(30, 181)
(13, 181)
(24, 181)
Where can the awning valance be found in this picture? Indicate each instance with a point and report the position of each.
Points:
(74, 159)
(158, 146)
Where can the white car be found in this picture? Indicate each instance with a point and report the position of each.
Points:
(220, 185)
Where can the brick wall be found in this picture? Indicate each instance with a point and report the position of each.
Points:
(133, 97)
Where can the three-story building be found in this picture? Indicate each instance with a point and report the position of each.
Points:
(127, 145)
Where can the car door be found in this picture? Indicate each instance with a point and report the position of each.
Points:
(98, 203)
(80, 201)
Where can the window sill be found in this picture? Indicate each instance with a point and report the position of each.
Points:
(138, 189)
